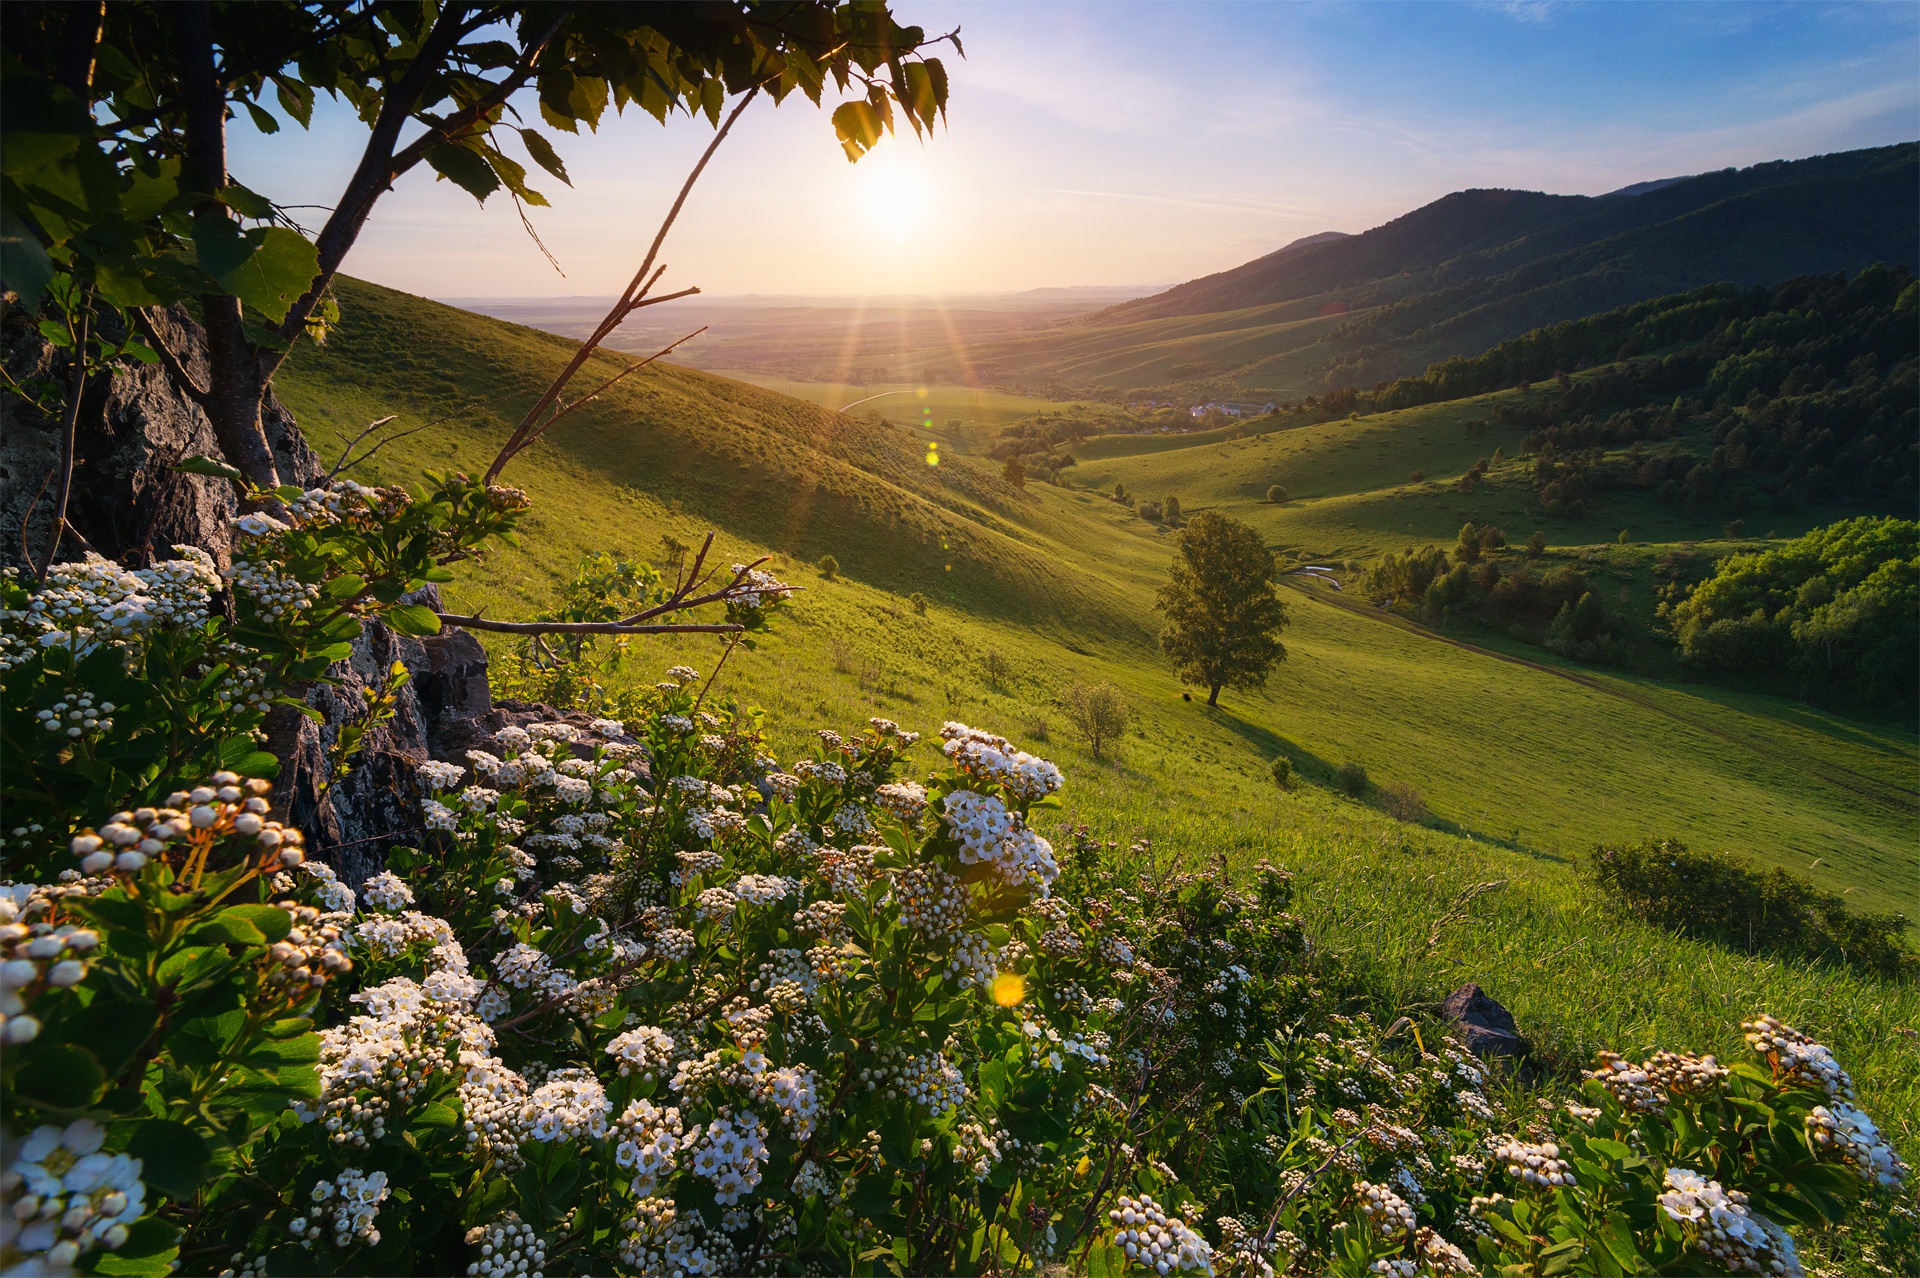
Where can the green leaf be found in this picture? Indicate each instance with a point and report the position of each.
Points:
(198, 465)
(465, 169)
(115, 1028)
(858, 126)
(244, 202)
(60, 1076)
(173, 1156)
(272, 278)
(544, 155)
(270, 921)
(25, 267)
(262, 120)
(413, 619)
(149, 1251)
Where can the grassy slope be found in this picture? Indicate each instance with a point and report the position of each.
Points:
(1060, 583)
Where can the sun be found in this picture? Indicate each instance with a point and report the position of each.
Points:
(892, 196)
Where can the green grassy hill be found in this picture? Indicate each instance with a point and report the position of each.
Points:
(1523, 765)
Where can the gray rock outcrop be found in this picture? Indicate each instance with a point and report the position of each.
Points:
(1482, 1024)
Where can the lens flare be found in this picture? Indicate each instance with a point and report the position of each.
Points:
(1009, 989)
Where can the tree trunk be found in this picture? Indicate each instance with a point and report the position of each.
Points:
(1213, 695)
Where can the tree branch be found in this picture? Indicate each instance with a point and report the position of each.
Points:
(68, 425)
(380, 165)
(630, 300)
(477, 622)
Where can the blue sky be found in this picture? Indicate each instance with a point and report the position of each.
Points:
(1126, 143)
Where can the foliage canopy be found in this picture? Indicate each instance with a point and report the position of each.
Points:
(1223, 615)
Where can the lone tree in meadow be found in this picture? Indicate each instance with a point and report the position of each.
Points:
(1223, 615)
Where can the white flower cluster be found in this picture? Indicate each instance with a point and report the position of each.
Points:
(755, 588)
(1666, 1076)
(928, 1079)
(902, 800)
(932, 902)
(492, 1100)
(386, 891)
(274, 593)
(1850, 1133)
(334, 896)
(63, 1198)
(729, 1153)
(990, 834)
(978, 1148)
(1385, 1210)
(1154, 1240)
(646, 1051)
(661, 1241)
(1719, 1224)
(994, 760)
(82, 716)
(35, 956)
(97, 601)
(230, 805)
(570, 1105)
(647, 1137)
(794, 1091)
(1539, 1165)
(1796, 1057)
(352, 1201)
(375, 1065)
(508, 1248)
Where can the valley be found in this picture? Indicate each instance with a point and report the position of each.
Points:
(1525, 760)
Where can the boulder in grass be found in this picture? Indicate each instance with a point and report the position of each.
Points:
(1482, 1024)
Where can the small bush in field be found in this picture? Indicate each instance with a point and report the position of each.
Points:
(1283, 772)
(1402, 802)
(919, 602)
(1276, 494)
(829, 567)
(1353, 778)
(1098, 712)
(1714, 897)
(994, 664)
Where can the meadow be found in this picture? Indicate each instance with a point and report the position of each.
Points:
(1524, 765)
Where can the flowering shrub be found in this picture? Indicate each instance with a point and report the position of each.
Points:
(117, 682)
(648, 1000)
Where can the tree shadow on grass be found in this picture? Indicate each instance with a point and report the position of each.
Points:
(1310, 767)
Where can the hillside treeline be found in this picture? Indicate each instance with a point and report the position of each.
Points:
(1837, 611)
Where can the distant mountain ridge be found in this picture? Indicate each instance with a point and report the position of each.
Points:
(1847, 210)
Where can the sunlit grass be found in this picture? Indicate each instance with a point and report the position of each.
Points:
(1523, 769)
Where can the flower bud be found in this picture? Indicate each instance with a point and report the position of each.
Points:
(15, 973)
(291, 857)
(256, 805)
(85, 843)
(66, 972)
(247, 823)
(200, 795)
(82, 939)
(130, 862)
(203, 816)
(268, 838)
(96, 863)
(21, 1029)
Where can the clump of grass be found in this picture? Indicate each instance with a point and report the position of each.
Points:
(1282, 769)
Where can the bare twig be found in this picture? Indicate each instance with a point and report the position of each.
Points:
(629, 301)
(353, 443)
(68, 425)
(595, 393)
(586, 627)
